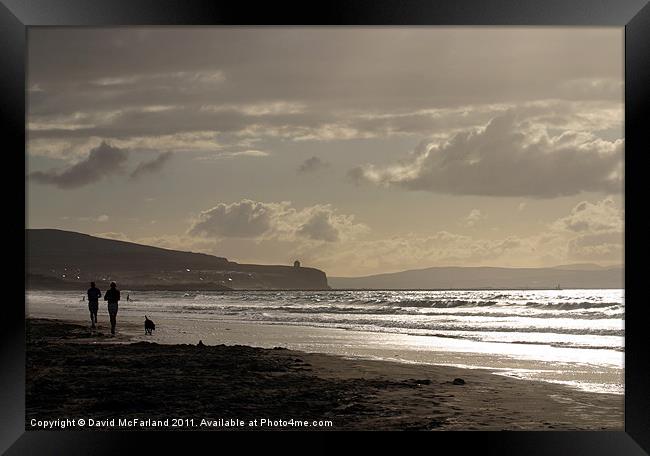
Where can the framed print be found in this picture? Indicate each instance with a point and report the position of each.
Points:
(365, 216)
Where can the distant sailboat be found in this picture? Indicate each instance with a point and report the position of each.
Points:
(558, 287)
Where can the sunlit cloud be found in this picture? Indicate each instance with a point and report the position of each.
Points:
(259, 220)
(507, 157)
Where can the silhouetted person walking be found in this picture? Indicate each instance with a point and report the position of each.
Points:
(93, 302)
(112, 296)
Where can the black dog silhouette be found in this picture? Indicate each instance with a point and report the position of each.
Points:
(148, 325)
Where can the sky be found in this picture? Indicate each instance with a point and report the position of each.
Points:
(355, 150)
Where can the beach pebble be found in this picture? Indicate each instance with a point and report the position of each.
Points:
(458, 381)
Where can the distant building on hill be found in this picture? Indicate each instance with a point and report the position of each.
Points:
(296, 264)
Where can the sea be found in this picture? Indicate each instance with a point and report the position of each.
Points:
(574, 337)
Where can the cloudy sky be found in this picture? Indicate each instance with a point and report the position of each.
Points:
(355, 150)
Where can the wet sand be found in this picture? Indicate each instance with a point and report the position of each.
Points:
(73, 372)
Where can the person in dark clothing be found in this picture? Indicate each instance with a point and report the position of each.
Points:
(93, 302)
(112, 296)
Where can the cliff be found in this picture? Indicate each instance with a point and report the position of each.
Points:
(57, 259)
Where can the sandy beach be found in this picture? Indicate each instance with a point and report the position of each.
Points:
(332, 228)
(73, 372)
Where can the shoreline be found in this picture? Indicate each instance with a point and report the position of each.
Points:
(73, 372)
(593, 370)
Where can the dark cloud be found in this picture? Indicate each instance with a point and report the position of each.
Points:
(357, 175)
(509, 157)
(244, 219)
(312, 164)
(147, 89)
(335, 73)
(102, 161)
(145, 121)
(254, 219)
(151, 166)
(320, 228)
(322, 63)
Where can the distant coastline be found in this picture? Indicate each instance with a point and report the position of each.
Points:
(64, 260)
(489, 278)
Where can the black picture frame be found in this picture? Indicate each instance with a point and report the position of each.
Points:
(634, 15)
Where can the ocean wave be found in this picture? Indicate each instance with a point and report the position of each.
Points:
(453, 303)
(573, 305)
(578, 300)
(315, 310)
(571, 345)
(435, 325)
(598, 314)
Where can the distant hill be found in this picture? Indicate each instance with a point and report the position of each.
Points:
(568, 276)
(57, 259)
